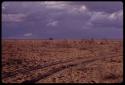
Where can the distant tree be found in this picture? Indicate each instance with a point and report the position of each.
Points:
(50, 38)
(92, 39)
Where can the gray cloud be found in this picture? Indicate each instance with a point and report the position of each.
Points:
(28, 34)
(13, 17)
(103, 6)
(81, 19)
(103, 19)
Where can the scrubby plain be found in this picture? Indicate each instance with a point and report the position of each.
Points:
(62, 61)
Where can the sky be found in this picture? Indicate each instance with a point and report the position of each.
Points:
(62, 20)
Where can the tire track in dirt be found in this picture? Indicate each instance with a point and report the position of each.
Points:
(63, 67)
(25, 71)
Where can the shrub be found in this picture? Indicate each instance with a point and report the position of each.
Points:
(50, 38)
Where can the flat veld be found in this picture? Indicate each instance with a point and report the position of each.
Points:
(62, 61)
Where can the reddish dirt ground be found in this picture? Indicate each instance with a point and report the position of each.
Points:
(62, 61)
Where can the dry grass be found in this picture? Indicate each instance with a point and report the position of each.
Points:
(62, 61)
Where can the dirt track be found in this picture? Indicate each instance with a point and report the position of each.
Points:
(60, 68)
(47, 70)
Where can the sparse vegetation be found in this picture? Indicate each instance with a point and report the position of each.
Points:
(52, 61)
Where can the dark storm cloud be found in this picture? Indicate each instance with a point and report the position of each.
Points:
(104, 6)
(102, 19)
(12, 7)
(62, 19)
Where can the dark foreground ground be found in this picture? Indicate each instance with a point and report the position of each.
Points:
(62, 61)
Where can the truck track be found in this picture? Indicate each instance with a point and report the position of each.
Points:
(60, 68)
(25, 71)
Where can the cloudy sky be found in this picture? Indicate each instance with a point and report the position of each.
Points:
(62, 20)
